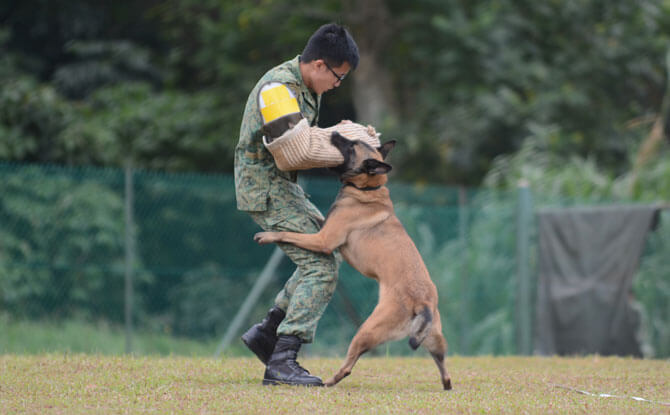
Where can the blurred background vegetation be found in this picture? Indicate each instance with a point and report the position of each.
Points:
(458, 83)
(571, 95)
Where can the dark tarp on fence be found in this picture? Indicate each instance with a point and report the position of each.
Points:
(588, 257)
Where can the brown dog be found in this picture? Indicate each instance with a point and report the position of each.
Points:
(363, 225)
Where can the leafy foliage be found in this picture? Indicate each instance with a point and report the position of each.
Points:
(558, 93)
(499, 70)
(103, 63)
(471, 84)
(62, 246)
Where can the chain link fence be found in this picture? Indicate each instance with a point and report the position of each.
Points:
(169, 253)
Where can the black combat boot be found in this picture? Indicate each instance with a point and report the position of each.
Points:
(262, 337)
(282, 367)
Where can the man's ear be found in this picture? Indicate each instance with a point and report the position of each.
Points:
(319, 64)
(374, 166)
(386, 148)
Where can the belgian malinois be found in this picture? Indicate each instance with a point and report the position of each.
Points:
(363, 225)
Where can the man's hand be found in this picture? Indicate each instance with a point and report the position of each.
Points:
(264, 238)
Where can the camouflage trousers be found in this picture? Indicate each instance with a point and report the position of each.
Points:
(308, 291)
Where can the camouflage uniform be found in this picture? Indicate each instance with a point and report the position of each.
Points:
(277, 203)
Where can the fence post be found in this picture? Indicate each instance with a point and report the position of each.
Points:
(466, 296)
(129, 254)
(523, 291)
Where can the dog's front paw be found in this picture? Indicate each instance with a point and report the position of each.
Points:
(264, 238)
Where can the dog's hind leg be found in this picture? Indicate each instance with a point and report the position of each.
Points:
(436, 344)
(420, 327)
(381, 326)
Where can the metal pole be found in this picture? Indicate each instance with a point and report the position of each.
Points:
(242, 315)
(523, 294)
(129, 255)
(465, 281)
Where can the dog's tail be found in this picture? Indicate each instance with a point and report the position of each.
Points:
(420, 326)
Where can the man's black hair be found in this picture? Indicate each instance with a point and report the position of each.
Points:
(332, 43)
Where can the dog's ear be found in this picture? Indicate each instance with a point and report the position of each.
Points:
(338, 140)
(343, 144)
(386, 148)
(374, 166)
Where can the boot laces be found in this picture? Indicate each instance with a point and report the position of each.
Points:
(293, 363)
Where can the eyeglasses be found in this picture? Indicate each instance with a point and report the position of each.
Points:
(340, 78)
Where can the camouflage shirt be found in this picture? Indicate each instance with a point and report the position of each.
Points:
(255, 169)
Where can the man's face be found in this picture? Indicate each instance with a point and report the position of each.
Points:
(325, 77)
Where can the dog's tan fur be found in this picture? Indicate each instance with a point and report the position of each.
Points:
(363, 225)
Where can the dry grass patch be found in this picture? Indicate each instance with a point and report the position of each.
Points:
(72, 384)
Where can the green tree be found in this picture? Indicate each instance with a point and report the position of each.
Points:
(457, 83)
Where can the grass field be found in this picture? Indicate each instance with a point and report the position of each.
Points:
(20, 337)
(77, 383)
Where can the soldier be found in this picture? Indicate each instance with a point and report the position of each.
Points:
(285, 95)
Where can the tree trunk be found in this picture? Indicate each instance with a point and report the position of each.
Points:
(661, 128)
(373, 93)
